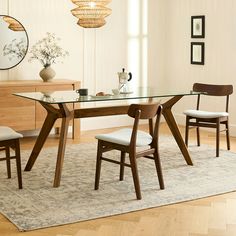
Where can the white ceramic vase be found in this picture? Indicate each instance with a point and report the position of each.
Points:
(47, 74)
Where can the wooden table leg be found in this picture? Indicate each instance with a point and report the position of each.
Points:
(167, 113)
(52, 116)
(67, 116)
(46, 128)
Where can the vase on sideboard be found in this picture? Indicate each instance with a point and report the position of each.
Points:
(47, 74)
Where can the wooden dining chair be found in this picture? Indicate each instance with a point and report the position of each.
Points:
(127, 140)
(9, 139)
(199, 118)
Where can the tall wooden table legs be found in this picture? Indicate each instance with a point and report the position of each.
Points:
(63, 112)
(170, 120)
(52, 115)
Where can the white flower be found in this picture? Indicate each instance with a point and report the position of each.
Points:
(47, 51)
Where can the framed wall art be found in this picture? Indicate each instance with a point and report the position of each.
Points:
(197, 53)
(198, 26)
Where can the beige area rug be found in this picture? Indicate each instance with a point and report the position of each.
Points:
(39, 205)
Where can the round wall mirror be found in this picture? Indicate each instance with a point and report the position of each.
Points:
(14, 42)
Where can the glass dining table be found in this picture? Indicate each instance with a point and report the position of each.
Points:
(57, 106)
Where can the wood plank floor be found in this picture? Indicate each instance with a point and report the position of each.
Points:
(213, 216)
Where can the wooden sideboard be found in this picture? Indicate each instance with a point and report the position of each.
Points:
(23, 114)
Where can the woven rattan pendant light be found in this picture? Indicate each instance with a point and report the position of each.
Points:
(13, 24)
(91, 14)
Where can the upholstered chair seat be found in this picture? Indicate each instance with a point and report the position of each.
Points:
(123, 137)
(6, 133)
(205, 114)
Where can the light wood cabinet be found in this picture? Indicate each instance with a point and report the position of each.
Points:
(23, 114)
(16, 113)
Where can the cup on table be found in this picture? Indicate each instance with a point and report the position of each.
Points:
(82, 92)
(116, 91)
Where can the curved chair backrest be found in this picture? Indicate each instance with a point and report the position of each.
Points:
(147, 111)
(213, 90)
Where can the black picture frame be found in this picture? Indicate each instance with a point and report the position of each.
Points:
(198, 53)
(198, 26)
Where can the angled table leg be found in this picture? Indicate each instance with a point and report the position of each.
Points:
(67, 116)
(167, 113)
(52, 116)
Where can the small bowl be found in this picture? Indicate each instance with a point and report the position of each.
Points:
(116, 91)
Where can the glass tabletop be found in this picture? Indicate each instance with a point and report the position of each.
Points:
(57, 97)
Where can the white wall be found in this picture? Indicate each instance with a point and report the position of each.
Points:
(157, 43)
(220, 50)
